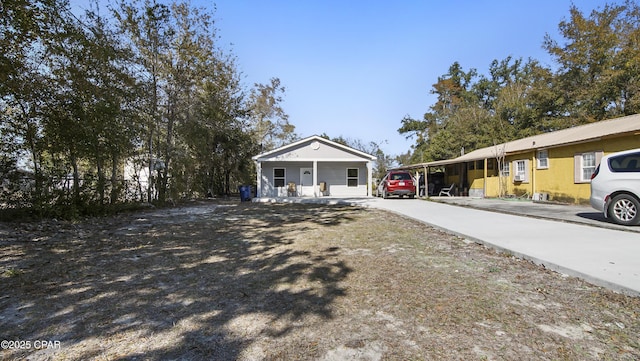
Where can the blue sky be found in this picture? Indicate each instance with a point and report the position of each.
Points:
(355, 68)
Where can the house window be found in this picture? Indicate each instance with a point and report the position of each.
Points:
(584, 164)
(472, 165)
(520, 171)
(505, 169)
(543, 159)
(480, 164)
(588, 165)
(278, 177)
(352, 177)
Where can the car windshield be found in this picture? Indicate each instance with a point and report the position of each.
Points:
(401, 176)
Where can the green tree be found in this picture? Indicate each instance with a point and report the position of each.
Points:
(27, 28)
(215, 133)
(597, 75)
(147, 26)
(270, 123)
(86, 126)
(439, 132)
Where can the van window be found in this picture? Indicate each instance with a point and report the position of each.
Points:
(625, 163)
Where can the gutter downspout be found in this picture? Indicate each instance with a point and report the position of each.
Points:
(426, 182)
(533, 173)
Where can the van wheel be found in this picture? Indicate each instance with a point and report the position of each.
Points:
(624, 210)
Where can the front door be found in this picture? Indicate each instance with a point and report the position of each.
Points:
(306, 181)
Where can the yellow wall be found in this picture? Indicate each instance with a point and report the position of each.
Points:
(557, 180)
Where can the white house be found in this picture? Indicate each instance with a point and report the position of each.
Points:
(314, 167)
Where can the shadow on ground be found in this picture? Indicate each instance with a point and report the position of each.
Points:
(170, 284)
(594, 216)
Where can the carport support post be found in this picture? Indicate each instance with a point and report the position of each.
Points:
(426, 182)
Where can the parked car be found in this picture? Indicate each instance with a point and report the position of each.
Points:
(615, 187)
(397, 183)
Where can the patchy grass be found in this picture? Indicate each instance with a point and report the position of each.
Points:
(281, 282)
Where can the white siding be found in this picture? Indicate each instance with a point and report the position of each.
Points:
(333, 173)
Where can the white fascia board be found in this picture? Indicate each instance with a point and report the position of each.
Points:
(261, 157)
(313, 160)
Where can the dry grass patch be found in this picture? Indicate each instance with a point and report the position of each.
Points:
(281, 282)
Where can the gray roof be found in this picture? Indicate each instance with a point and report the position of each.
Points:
(579, 134)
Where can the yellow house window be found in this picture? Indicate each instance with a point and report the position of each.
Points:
(505, 169)
(588, 165)
(520, 171)
(584, 165)
(543, 159)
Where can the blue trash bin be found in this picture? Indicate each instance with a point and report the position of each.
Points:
(245, 193)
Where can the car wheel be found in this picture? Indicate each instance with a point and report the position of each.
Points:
(624, 210)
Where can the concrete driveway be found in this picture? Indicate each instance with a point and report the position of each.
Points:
(574, 241)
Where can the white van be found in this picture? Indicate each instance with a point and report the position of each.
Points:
(615, 187)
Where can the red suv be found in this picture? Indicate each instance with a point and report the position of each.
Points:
(398, 183)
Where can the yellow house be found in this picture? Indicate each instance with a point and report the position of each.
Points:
(554, 166)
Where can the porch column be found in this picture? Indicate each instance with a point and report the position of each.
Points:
(315, 178)
(259, 179)
(369, 179)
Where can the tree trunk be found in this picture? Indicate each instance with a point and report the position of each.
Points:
(101, 180)
(115, 185)
(76, 201)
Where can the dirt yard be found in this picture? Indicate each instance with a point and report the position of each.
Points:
(232, 281)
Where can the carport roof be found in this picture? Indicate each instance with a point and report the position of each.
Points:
(579, 134)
